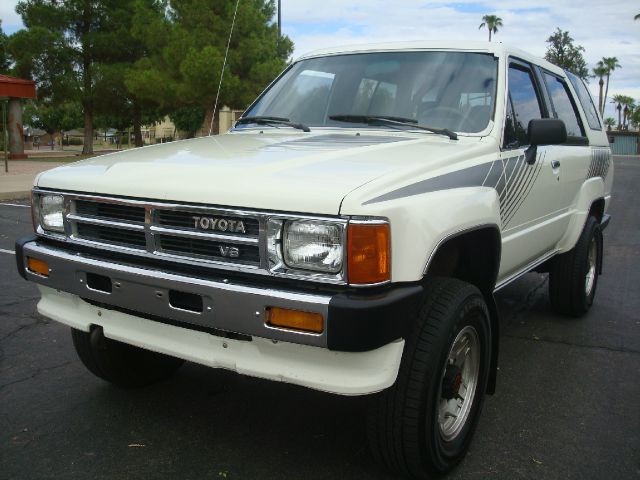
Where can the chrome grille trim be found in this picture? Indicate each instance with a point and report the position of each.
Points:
(153, 229)
(248, 240)
(72, 217)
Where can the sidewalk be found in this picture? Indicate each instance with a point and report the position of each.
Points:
(17, 184)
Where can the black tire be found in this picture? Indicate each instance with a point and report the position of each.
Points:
(119, 363)
(568, 291)
(403, 421)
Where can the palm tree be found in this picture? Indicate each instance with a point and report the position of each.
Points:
(609, 122)
(618, 100)
(600, 72)
(610, 63)
(629, 105)
(492, 22)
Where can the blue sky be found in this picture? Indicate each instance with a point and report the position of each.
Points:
(604, 28)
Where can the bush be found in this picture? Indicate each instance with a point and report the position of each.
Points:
(72, 141)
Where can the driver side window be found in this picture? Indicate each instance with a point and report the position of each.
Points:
(523, 106)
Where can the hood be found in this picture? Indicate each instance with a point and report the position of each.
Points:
(294, 172)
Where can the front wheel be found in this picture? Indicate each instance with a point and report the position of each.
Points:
(120, 363)
(422, 426)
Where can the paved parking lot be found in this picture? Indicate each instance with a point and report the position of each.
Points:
(567, 404)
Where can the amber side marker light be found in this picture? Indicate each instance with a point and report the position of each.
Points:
(38, 266)
(295, 320)
(369, 251)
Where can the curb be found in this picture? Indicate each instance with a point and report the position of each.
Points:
(24, 195)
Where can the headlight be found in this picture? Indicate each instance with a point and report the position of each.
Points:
(50, 209)
(313, 245)
(304, 245)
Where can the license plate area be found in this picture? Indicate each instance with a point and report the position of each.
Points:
(190, 302)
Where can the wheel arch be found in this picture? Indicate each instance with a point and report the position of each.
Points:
(473, 255)
(590, 201)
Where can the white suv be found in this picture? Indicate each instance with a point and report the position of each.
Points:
(348, 235)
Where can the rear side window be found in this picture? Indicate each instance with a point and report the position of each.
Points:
(563, 107)
(586, 101)
(523, 107)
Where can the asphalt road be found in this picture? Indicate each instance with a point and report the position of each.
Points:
(567, 406)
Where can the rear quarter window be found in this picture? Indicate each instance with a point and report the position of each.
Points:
(585, 99)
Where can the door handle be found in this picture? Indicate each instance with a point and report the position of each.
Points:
(555, 164)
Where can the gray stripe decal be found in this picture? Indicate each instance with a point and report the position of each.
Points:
(517, 183)
(600, 161)
(512, 178)
(531, 180)
(469, 177)
(494, 174)
(523, 190)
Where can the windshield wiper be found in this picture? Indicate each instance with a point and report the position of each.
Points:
(390, 120)
(263, 120)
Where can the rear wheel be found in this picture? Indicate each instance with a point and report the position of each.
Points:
(573, 276)
(422, 426)
(119, 363)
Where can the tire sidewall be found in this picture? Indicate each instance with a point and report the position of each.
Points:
(595, 233)
(591, 231)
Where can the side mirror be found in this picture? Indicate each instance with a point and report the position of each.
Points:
(544, 131)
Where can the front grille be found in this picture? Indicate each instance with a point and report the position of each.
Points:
(112, 211)
(217, 236)
(209, 249)
(101, 233)
(189, 219)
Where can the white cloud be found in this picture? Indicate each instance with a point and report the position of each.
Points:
(602, 28)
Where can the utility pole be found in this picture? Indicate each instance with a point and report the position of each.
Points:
(279, 18)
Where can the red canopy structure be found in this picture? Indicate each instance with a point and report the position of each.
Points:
(15, 90)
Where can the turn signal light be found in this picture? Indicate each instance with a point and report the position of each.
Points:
(38, 266)
(295, 319)
(369, 247)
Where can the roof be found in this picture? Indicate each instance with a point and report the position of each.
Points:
(499, 49)
(17, 87)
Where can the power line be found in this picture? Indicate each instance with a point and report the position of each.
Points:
(224, 64)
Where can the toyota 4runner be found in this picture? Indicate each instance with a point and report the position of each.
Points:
(347, 235)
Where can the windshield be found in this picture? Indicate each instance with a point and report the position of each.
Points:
(451, 90)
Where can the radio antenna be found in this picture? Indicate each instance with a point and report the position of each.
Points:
(224, 64)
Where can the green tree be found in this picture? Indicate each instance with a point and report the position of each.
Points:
(634, 118)
(628, 105)
(562, 52)
(63, 48)
(186, 42)
(492, 22)
(618, 100)
(188, 119)
(53, 118)
(609, 122)
(600, 72)
(5, 60)
(132, 110)
(609, 64)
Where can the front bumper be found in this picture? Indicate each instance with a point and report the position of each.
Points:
(354, 321)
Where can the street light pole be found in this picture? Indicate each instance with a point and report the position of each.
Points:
(279, 18)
